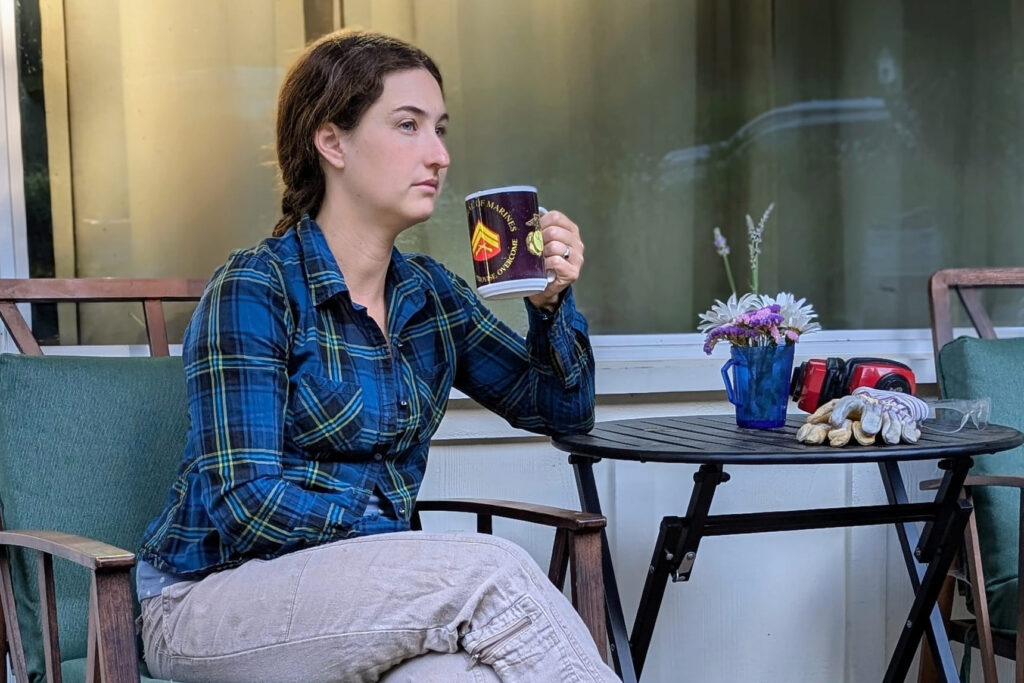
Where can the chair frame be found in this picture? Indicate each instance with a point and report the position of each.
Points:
(112, 654)
(968, 284)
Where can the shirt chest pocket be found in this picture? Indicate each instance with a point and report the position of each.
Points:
(431, 396)
(327, 419)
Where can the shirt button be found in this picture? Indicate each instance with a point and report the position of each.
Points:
(401, 511)
(378, 457)
(404, 404)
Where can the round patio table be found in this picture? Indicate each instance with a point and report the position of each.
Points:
(714, 441)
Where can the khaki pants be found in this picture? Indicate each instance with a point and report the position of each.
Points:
(355, 609)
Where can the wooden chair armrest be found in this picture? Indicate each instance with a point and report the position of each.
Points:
(1011, 480)
(111, 626)
(526, 512)
(86, 552)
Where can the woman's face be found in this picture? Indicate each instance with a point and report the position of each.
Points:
(395, 159)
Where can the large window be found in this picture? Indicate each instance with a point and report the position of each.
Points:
(886, 132)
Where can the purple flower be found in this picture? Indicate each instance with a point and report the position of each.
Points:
(762, 317)
(760, 327)
(721, 246)
(738, 335)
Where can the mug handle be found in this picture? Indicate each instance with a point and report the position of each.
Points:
(728, 383)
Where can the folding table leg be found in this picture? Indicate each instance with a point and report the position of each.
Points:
(674, 554)
(924, 603)
(622, 655)
(654, 590)
(909, 538)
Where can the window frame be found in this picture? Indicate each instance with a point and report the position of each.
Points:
(13, 235)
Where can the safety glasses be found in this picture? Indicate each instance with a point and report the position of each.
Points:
(950, 415)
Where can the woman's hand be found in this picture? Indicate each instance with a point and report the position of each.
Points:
(563, 257)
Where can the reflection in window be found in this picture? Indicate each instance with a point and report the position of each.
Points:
(887, 134)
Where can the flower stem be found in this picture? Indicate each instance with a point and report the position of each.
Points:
(728, 274)
(755, 234)
(754, 247)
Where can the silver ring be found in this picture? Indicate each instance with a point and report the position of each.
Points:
(565, 255)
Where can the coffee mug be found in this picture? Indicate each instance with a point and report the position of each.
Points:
(506, 242)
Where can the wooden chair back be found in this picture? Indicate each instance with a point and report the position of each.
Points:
(968, 284)
(152, 293)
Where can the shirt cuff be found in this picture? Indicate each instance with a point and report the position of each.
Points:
(553, 336)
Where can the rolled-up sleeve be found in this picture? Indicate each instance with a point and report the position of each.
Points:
(543, 383)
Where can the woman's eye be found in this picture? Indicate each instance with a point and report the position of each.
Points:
(441, 131)
(407, 125)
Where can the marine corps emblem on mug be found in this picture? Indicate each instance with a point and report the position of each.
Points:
(506, 242)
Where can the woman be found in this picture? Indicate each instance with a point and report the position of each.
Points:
(318, 366)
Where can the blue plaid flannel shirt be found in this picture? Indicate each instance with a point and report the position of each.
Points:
(300, 409)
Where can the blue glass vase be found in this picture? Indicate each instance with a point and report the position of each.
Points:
(759, 387)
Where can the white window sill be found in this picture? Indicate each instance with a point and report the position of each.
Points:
(676, 363)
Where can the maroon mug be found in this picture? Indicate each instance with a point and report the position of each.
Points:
(506, 242)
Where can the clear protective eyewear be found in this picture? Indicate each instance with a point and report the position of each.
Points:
(950, 415)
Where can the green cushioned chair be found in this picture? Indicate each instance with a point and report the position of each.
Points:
(978, 367)
(88, 450)
(993, 368)
(98, 466)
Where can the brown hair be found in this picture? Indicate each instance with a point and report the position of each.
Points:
(335, 80)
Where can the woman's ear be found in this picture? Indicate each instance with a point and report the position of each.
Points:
(328, 141)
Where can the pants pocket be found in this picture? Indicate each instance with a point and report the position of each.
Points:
(519, 634)
(169, 603)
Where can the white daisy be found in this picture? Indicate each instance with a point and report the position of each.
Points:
(723, 313)
(797, 314)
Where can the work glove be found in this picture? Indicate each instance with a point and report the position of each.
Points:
(864, 416)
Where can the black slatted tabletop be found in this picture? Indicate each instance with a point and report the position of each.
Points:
(717, 439)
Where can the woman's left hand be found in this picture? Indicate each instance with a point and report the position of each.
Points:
(563, 257)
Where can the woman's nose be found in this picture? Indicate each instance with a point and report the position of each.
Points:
(439, 153)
